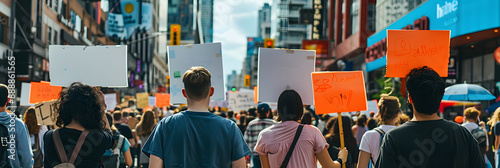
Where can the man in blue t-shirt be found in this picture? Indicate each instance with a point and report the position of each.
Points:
(196, 137)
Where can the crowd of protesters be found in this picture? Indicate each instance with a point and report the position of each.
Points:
(196, 135)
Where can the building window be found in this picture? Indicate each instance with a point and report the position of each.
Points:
(56, 38)
(54, 5)
(49, 3)
(4, 33)
(354, 16)
(49, 35)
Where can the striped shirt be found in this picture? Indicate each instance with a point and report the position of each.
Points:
(253, 129)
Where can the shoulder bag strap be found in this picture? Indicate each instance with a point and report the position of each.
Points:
(59, 146)
(382, 133)
(78, 146)
(119, 144)
(290, 151)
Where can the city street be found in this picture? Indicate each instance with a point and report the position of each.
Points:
(250, 83)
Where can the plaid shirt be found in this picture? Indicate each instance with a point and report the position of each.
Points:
(253, 129)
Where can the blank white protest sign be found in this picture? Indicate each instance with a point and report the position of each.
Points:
(104, 66)
(25, 94)
(279, 69)
(182, 58)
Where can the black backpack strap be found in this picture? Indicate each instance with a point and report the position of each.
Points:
(382, 133)
(290, 151)
(60, 149)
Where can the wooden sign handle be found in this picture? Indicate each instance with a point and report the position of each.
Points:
(341, 131)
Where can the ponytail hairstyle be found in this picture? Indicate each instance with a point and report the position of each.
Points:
(389, 109)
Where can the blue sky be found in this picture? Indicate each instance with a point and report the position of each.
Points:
(234, 21)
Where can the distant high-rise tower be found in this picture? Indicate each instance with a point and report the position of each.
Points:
(207, 19)
(285, 27)
(264, 23)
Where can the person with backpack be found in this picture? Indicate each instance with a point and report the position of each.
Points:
(428, 140)
(292, 144)
(479, 133)
(119, 155)
(83, 134)
(15, 151)
(196, 137)
(36, 135)
(388, 117)
(143, 130)
(254, 128)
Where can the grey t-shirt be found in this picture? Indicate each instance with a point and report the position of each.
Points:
(143, 138)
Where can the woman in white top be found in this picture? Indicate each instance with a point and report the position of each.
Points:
(388, 118)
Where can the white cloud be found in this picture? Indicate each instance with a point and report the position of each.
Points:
(234, 21)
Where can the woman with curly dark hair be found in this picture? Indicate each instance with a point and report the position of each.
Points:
(80, 116)
(144, 129)
(36, 135)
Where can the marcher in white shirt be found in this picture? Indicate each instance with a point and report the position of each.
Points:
(388, 117)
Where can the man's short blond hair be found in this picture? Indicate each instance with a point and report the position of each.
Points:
(197, 82)
(471, 113)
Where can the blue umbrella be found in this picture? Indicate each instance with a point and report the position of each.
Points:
(493, 107)
(467, 92)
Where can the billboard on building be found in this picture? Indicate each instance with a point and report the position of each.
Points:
(124, 17)
(320, 46)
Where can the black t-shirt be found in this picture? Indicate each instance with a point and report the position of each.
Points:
(124, 130)
(90, 154)
(436, 143)
(496, 128)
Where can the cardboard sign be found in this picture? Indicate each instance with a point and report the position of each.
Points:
(142, 100)
(110, 100)
(408, 49)
(336, 92)
(104, 66)
(162, 99)
(45, 113)
(151, 101)
(25, 94)
(41, 91)
(280, 70)
(181, 58)
(240, 101)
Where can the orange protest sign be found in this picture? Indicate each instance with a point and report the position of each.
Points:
(408, 49)
(336, 92)
(162, 99)
(42, 91)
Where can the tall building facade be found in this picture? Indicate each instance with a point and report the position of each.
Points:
(183, 12)
(389, 11)
(285, 27)
(195, 18)
(264, 22)
(206, 10)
